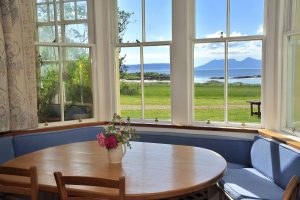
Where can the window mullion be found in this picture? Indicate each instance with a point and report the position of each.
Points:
(226, 62)
(55, 20)
(143, 22)
(142, 59)
(61, 83)
(228, 19)
(142, 81)
(62, 20)
(226, 83)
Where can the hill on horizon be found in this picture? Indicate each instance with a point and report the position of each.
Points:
(217, 64)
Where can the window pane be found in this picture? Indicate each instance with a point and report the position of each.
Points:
(293, 89)
(69, 11)
(82, 10)
(46, 33)
(209, 82)
(246, 17)
(130, 20)
(76, 33)
(244, 77)
(130, 82)
(78, 84)
(157, 88)
(158, 20)
(210, 18)
(42, 12)
(48, 85)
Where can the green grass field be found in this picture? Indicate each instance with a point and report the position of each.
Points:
(208, 101)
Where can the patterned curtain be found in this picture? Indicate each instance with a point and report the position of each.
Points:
(17, 66)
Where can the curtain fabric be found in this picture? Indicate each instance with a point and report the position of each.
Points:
(18, 95)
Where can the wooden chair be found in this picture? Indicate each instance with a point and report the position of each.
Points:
(292, 189)
(62, 181)
(30, 189)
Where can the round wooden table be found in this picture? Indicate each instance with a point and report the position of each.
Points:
(152, 171)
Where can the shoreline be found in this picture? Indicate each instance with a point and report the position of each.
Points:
(251, 81)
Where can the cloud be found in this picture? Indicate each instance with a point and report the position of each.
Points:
(260, 30)
(236, 34)
(157, 54)
(236, 50)
(215, 35)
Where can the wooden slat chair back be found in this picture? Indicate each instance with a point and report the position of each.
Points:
(62, 181)
(292, 189)
(30, 189)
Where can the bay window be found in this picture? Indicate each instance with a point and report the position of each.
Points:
(143, 61)
(228, 61)
(64, 66)
(291, 83)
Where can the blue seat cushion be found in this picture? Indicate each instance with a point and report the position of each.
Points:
(231, 165)
(6, 149)
(249, 183)
(275, 160)
(33, 142)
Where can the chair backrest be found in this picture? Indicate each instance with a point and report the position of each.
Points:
(277, 161)
(30, 189)
(62, 181)
(291, 191)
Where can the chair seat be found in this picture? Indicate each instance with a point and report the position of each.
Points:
(248, 183)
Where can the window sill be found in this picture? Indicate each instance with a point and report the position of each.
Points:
(281, 137)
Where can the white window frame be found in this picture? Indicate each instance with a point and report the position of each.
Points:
(289, 30)
(141, 46)
(225, 40)
(62, 44)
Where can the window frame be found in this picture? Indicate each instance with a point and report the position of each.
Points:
(289, 30)
(140, 45)
(226, 40)
(60, 45)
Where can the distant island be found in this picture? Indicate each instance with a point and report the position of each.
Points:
(247, 63)
(214, 70)
(237, 77)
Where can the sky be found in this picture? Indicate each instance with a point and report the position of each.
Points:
(246, 18)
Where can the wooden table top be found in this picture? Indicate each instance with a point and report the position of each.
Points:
(152, 171)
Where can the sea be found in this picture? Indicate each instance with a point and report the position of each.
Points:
(205, 75)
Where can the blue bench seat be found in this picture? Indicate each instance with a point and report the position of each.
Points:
(28, 143)
(249, 183)
(273, 165)
(6, 149)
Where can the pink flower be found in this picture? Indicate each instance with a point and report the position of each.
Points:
(101, 139)
(111, 142)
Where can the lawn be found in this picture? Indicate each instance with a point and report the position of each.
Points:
(208, 101)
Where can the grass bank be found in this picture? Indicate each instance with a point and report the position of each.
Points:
(208, 101)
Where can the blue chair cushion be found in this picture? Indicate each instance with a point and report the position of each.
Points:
(275, 160)
(6, 149)
(249, 183)
(24, 144)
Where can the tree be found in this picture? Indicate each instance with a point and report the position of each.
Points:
(123, 21)
(76, 74)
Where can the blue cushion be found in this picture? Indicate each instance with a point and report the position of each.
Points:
(6, 149)
(235, 150)
(249, 183)
(231, 165)
(275, 160)
(32, 142)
